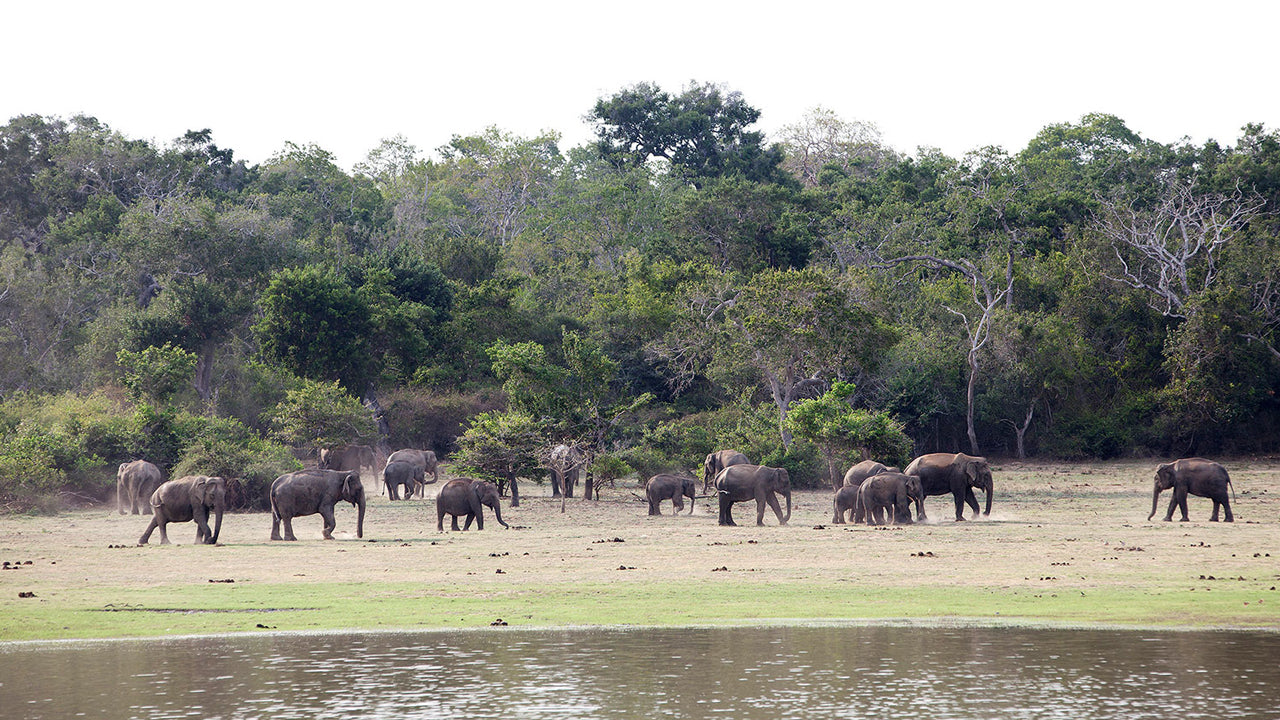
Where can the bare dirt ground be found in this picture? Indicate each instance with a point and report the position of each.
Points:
(1064, 543)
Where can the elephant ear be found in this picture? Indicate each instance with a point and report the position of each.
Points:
(971, 471)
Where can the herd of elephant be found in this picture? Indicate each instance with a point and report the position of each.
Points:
(871, 492)
(140, 486)
(879, 494)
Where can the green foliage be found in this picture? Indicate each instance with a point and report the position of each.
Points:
(846, 435)
(317, 414)
(229, 449)
(155, 374)
(501, 446)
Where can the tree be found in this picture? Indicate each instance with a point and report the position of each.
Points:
(156, 373)
(790, 328)
(843, 432)
(503, 446)
(821, 139)
(702, 132)
(317, 327)
(321, 414)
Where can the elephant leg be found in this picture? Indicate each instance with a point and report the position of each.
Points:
(1180, 497)
(440, 520)
(150, 528)
(455, 522)
(972, 501)
(726, 510)
(275, 527)
(677, 503)
(773, 505)
(392, 492)
(479, 520)
(1226, 507)
(164, 535)
(653, 506)
(288, 528)
(1216, 504)
(959, 498)
(329, 522)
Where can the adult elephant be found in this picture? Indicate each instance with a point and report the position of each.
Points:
(135, 481)
(308, 492)
(854, 476)
(346, 457)
(958, 474)
(1193, 476)
(740, 483)
(397, 473)
(465, 496)
(717, 461)
(889, 491)
(185, 499)
(566, 462)
(670, 487)
(425, 459)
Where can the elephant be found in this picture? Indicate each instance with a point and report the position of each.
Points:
(135, 481)
(958, 474)
(398, 473)
(425, 459)
(1194, 476)
(718, 461)
(566, 467)
(844, 502)
(347, 457)
(865, 469)
(307, 492)
(670, 487)
(742, 482)
(889, 491)
(185, 499)
(465, 496)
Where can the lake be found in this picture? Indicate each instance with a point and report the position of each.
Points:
(880, 671)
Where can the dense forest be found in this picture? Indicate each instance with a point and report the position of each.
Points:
(679, 285)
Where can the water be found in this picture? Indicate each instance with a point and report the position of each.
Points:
(776, 672)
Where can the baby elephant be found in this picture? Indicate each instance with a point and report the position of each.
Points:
(845, 501)
(402, 473)
(465, 496)
(670, 487)
(889, 491)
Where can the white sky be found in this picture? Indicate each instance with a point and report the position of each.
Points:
(953, 75)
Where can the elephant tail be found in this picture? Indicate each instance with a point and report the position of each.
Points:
(1233, 490)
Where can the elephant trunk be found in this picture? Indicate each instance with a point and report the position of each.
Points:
(360, 502)
(787, 494)
(497, 514)
(1155, 502)
(990, 493)
(217, 524)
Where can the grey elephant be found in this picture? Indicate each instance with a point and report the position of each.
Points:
(135, 481)
(894, 492)
(465, 496)
(397, 473)
(740, 483)
(958, 474)
(185, 499)
(844, 503)
(670, 487)
(566, 467)
(308, 492)
(346, 457)
(425, 459)
(1193, 476)
(718, 461)
(854, 476)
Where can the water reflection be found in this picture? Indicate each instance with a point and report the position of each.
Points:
(788, 672)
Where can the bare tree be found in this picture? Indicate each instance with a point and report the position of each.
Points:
(1171, 250)
(821, 137)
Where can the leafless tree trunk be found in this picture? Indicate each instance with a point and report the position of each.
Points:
(977, 324)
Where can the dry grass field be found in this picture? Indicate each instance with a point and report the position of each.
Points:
(1065, 544)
